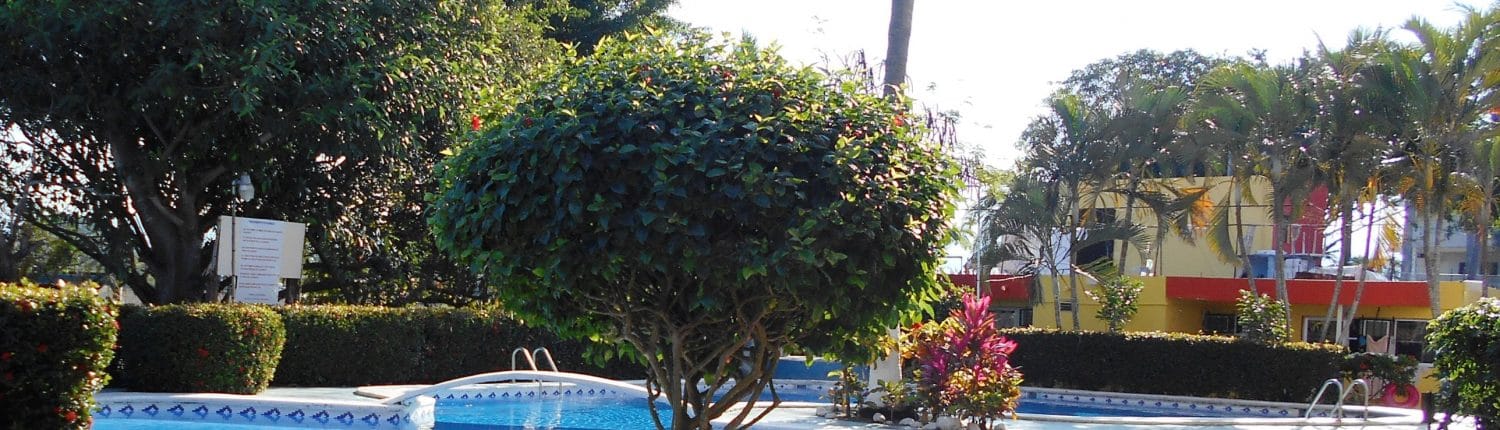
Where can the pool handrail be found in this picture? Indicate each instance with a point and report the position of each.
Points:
(544, 353)
(516, 375)
(530, 360)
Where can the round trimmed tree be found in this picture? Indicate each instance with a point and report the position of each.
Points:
(703, 204)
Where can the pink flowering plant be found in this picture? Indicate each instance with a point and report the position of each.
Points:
(963, 365)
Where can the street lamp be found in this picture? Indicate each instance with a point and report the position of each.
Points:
(244, 191)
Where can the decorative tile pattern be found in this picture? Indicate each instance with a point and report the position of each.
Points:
(1197, 407)
(291, 413)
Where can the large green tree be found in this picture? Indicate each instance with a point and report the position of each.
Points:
(705, 204)
(134, 116)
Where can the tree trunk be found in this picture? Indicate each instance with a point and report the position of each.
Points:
(1482, 227)
(1278, 235)
(1359, 290)
(1346, 234)
(898, 43)
(1129, 219)
(1239, 231)
(1430, 262)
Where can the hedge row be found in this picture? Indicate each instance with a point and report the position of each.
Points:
(237, 348)
(54, 344)
(363, 345)
(199, 348)
(1173, 364)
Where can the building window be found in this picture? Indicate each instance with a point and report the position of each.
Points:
(1012, 317)
(1313, 329)
(1411, 339)
(1221, 324)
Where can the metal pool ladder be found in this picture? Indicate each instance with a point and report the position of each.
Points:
(1338, 406)
(531, 357)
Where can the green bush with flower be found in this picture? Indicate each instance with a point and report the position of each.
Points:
(1467, 342)
(963, 366)
(54, 345)
(199, 348)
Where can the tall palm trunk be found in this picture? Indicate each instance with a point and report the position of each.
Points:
(1482, 229)
(1077, 223)
(1430, 263)
(1359, 289)
(1239, 232)
(1278, 236)
(898, 44)
(1129, 219)
(1346, 234)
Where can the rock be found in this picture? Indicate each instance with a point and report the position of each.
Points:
(973, 426)
(824, 411)
(878, 417)
(947, 423)
(997, 426)
(910, 423)
(930, 426)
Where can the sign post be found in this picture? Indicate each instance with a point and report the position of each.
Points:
(261, 253)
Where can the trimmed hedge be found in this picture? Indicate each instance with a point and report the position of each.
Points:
(1173, 364)
(335, 345)
(1467, 341)
(199, 348)
(54, 346)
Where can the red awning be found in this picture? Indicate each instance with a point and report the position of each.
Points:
(1302, 291)
(1001, 287)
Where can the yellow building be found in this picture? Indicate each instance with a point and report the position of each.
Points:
(1191, 289)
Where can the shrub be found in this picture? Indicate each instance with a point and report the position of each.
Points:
(1467, 341)
(1399, 370)
(200, 348)
(348, 346)
(1262, 319)
(964, 365)
(54, 346)
(1173, 364)
(366, 345)
(1117, 297)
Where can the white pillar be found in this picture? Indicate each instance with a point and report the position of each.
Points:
(888, 368)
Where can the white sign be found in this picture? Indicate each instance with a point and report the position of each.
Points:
(259, 253)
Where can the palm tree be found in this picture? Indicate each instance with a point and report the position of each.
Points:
(1265, 116)
(1476, 198)
(1447, 80)
(1349, 151)
(1025, 225)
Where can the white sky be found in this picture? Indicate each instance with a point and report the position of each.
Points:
(995, 61)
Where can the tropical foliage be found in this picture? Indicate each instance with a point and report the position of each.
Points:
(1376, 122)
(693, 200)
(964, 365)
(1117, 297)
(1467, 341)
(1262, 319)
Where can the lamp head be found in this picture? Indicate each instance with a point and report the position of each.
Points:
(243, 188)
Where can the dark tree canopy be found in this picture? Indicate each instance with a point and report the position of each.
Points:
(135, 116)
(699, 201)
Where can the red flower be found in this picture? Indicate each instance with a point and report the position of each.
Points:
(899, 121)
(41, 347)
(6, 356)
(202, 352)
(71, 416)
(526, 122)
(474, 122)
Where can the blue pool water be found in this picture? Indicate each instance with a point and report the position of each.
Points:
(592, 414)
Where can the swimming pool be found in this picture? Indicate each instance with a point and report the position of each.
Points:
(568, 401)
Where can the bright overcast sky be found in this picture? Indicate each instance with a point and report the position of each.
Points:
(995, 61)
